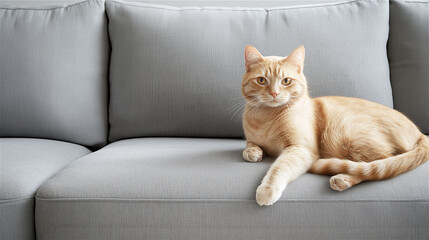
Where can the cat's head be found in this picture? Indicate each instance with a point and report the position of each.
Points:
(274, 81)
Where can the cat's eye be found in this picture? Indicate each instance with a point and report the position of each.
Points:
(286, 81)
(261, 80)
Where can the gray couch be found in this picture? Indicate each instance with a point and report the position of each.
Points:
(121, 120)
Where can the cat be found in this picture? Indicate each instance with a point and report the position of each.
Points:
(352, 139)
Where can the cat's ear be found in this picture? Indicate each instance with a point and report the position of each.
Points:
(296, 58)
(252, 56)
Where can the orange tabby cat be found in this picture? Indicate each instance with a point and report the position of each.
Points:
(353, 139)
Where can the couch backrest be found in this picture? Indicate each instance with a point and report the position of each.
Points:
(408, 50)
(177, 71)
(53, 73)
(183, 79)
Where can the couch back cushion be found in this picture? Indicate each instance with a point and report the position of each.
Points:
(53, 68)
(408, 51)
(178, 71)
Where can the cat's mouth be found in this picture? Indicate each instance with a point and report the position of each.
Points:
(275, 102)
(269, 102)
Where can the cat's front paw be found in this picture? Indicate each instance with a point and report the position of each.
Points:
(267, 194)
(252, 154)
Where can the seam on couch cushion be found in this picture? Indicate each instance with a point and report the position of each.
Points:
(44, 8)
(225, 200)
(12, 200)
(171, 8)
(413, 1)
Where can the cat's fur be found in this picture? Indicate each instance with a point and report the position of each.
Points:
(352, 139)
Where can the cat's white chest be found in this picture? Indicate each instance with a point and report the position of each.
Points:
(264, 135)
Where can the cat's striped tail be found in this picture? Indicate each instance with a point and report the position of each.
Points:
(355, 172)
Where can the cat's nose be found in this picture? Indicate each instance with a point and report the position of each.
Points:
(274, 94)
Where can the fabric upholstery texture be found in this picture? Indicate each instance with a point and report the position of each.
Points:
(252, 3)
(17, 219)
(185, 188)
(178, 71)
(408, 51)
(53, 73)
(24, 165)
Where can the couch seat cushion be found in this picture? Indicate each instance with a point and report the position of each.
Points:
(187, 188)
(24, 165)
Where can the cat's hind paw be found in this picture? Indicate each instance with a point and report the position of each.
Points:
(252, 154)
(267, 194)
(340, 182)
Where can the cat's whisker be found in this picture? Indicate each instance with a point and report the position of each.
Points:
(238, 114)
(256, 107)
(235, 108)
(237, 98)
(235, 104)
